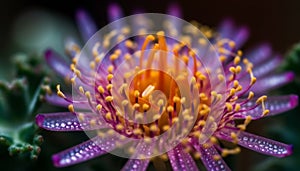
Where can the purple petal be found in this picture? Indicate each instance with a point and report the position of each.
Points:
(174, 10)
(226, 28)
(85, 151)
(86, 25)
(56, 100)
(276, 105)
(56, 62)
(67, 121)
(259, 53)
(114, 12)
(181, 161)
(267, 67)
(240, 36)
(136, 165)
(207, 157)
(257, 143)
(272, 82)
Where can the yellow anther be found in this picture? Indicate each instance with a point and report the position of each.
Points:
(266, 112)
(251, 95)
(213, 140)
(136, 93)
(182, 100)
(197, 155)
(93, 122)
(175, 120)
(100, 89)
(73, 80)
(164, 157)
(222, 58)
(160, 102)
(87, 94)
(81, 117)
(166, 127)
(99, 107)
(127, 56)
(113, 57)
(156, 116)
(71, 108)
(216, 157)
(109, 98)
(235, 83)
(239, 88)
(232, 92)
(238, 69)
(232, 70)
(60, 93)
(237, 107)
(237, 60)
(136, 106)
(234, 137)
(170, 109)
(239, 53)
(248, 120)
(110, 69)
(229, 107)
(201, 123)
(137, 131)
(92, 65)
(221, 77)
(119, 127)
(253, 80)
(125, 102)
(261, 99)
(176, 99)
(109, 87)
(129, 44)
(108, 116)
(77, 73)
(154, 128)
(145, 107)
(109, 77)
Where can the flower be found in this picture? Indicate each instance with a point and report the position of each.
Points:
(177, 105)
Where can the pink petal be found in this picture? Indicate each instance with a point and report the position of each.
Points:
(207, 157)
(67, 121)
(56, 62)
(181, 161)
(276, 105)
(257, 143)
(136, 165)
(84, 151)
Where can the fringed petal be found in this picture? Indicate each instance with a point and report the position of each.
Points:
(85, 151)
(136, 165)
(276, 105)
(67, 121)
(272, 82)
(257, 143)
(211, 158)
(57, 63)
(86, 25)
(181, 161)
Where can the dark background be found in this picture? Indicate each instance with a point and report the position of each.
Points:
(273, 21)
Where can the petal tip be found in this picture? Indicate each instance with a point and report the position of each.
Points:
(294, 100)
(39, 120)
(290, 76)
(56, 160)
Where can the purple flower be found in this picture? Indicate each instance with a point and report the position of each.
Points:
(247, 77)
